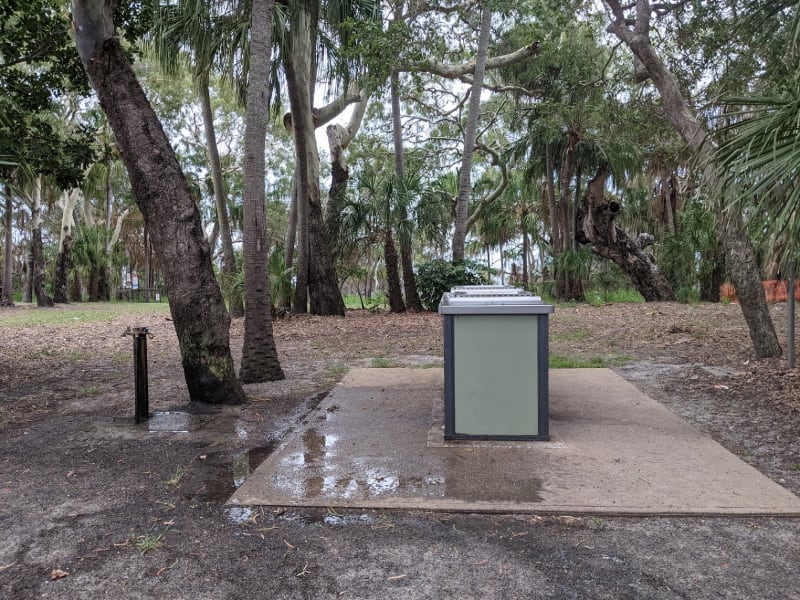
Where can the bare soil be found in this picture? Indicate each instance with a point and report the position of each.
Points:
(93, 506)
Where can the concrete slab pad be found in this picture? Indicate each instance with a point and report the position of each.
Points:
(377, 442)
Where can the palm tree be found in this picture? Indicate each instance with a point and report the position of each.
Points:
(259, 355)
(762, 161)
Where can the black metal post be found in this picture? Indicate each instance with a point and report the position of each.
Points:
(142, 409)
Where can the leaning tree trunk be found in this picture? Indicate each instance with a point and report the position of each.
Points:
(739, 253)
(212, 150)
(160, 189)
(740, 261)
(7, 297)
(259, 355)
(598, 228)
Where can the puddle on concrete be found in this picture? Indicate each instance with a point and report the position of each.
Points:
(230, 478)
(171, 422)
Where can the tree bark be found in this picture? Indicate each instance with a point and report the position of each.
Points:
(42, 298)
(394, 290)
(297, 88)
(166, 203)
(7, 297)
(470, 131)
(289, 242)
(739, 255)
(259, 355)
(598, 228)
(323, 288)
(235, 306)
(339, 139)
(63, 264)
(27, 285)
(336, 194)
(64, 258)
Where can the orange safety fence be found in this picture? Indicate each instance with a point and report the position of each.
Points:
(776, 290)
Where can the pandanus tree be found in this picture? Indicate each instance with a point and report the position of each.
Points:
(377, 216)
(170, 213)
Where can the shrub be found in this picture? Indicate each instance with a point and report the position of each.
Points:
(438, 276)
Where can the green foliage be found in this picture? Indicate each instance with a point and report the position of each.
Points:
(280, 278)
(91, 263)
(438, 276)
(39, 66)
(687, 257)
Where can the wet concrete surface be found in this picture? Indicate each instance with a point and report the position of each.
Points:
(377, 442)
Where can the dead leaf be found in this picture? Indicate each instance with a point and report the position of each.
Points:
(58, 574)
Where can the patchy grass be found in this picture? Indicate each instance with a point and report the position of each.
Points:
(75, 314)
(148, 543)
(175, 480)
(379, 362)
(436, 364)
(92, 390)
(561, 361)
(575, 335)
(598, 297)
(335, 370)
(78, 355)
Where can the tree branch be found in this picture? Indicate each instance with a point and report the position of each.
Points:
(496, 192)
(458, 71)
(332, 110)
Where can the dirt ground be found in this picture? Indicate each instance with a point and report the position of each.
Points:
(92, 506)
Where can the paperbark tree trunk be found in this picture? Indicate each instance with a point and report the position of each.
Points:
(598, 228)
(42, 298)
(320, 270)
(166, 203)
(339, 139)
(739, 255)
(64, 258)
(259, 355)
